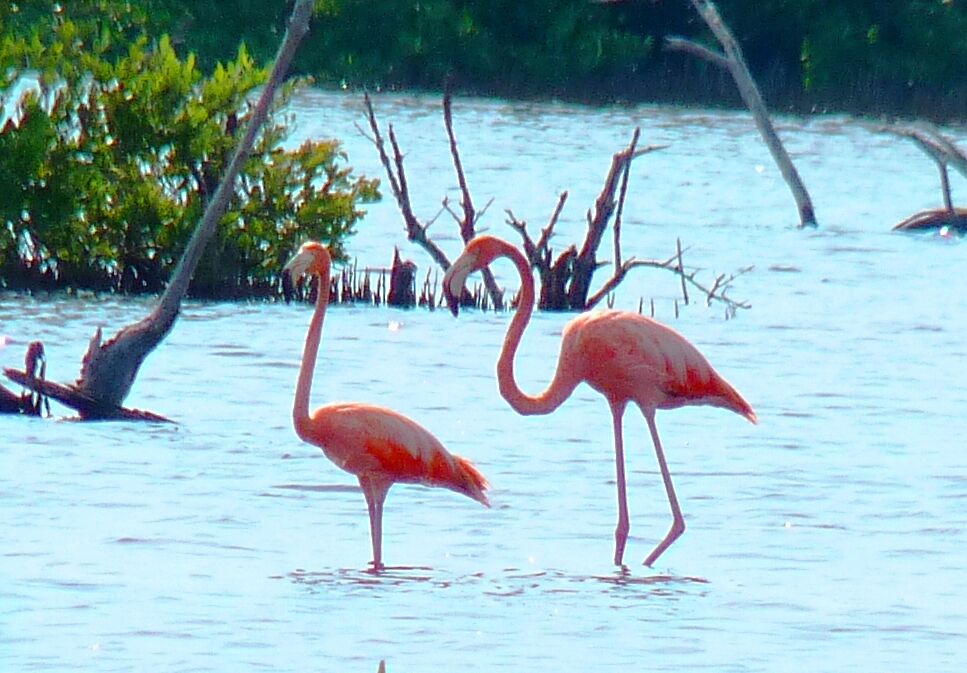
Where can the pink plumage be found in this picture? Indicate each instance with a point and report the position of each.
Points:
(624, 356)
(378, 445)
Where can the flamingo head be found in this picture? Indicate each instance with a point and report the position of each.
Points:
(312, 258)
(478, 254)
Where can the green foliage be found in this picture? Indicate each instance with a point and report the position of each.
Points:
(868, 55)
(500, 44)
(108, 157)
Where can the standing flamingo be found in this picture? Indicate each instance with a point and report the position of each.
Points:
(378, 445)
(624, 356)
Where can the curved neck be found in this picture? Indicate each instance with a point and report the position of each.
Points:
(300, 408)
(560, 388)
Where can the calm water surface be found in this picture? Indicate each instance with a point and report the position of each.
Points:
(830, 537)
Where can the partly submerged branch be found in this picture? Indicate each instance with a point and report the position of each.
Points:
(734, 62)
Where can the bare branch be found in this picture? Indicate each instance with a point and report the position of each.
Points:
(943, 153)
(416, 231)
(716, 293)
(674, 43)
(469, 217)
(548, 231)
(396, 175)
(735, 63)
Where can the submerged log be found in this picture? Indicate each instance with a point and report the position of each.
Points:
(75, 398)
(936, 220)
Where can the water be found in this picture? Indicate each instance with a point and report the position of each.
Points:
(829, 537)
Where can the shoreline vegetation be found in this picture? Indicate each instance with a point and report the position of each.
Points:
(894, 58)
(156, 90)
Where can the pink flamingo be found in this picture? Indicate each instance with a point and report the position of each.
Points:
(378, 445)
(624, 356)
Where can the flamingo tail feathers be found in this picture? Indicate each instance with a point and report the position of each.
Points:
(467, 479)
(732, 399)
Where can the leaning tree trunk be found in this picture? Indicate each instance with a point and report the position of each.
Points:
(734, 62)
(108, 370)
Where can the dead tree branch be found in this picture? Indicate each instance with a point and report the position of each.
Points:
(396, 174)
(717, 292)
(734, 62)
(944, 154)
(610, 202)
(941, 150)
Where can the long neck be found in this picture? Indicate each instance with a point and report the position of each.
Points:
(300, 408)
(560, 388)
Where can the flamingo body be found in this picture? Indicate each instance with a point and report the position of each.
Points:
(630, 357)
(624, 356)
(382, 445)
(379, 446)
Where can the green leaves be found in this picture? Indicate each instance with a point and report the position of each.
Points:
(108, 166)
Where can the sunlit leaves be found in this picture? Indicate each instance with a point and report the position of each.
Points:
(109, 164)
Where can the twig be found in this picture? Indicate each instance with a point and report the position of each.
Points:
(681, 269)
(469, 216)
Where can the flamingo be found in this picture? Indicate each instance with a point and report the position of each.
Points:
(378, 445)
(625, 356)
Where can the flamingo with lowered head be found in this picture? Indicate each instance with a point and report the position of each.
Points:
(378, 445)
(625, 356)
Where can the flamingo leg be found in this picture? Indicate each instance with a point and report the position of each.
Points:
(375, 493)
(678, 521)
(624, 525)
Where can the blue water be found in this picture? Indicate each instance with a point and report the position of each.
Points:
(829, 537)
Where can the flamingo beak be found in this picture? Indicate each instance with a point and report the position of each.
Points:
(455, 279)
(292, 273)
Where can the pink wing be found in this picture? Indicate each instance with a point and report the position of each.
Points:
(367, 439)
(632, 357)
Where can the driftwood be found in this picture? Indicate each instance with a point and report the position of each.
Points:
(566, 281)
(938, 219)
(733, 61)
(87, 406)
(416, 231)
(108, 369)
(944, 154)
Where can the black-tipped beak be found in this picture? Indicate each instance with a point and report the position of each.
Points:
(452, 301)
(288, 286)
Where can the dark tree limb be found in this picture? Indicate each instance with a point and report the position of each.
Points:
(396, 174)
(87, 406)
(108, 370)
(610, 202)
(944, 154)
(717, 292)
(734, 62)
(941, 150)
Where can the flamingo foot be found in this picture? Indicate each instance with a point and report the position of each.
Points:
(678, 527)
(620, 540)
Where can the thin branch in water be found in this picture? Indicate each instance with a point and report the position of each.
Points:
(681, 269)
